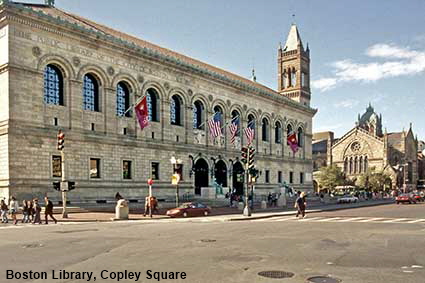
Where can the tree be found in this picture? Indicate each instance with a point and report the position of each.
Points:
(331, 176)
(373, 180)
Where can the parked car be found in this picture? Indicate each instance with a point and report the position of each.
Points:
(347, 199)
(189, 209)
(405, 198)
(418, 197)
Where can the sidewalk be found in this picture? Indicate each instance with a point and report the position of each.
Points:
(222, 213)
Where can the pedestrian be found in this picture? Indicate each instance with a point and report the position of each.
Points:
(25, 212)
(30, 211)
(13, 205)
(48, 210)
(4, 209)
(37, 212)
(147, 201)
(269, 199)
(300, 204)
(154, 205)
(118, 196)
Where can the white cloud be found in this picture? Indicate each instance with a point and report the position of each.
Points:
(349, 103)
(399, 62)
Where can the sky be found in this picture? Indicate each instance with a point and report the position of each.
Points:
(361, 51)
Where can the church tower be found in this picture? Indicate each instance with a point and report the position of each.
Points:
(294, 68)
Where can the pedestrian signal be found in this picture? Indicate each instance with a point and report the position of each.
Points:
(57, 186)
(244, 155)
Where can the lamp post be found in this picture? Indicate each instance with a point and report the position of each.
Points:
(230, 176)
(176, 162)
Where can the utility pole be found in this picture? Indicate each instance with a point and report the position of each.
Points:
(247, 210)
(64, 183)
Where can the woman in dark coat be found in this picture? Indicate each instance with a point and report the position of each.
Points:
(49, 210)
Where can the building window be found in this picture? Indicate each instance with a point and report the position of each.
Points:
(303, 82)
(267, 177)
(90, 93)
(175, 110)
(278, 133)
(236, 121)
(291, 177)
(152, 102)
(126, 169)
(293, 77)
(94, 168)
(198, 115)
(300, 137)
(53, 85)
(155, 170)
(365, 164)
(56, 166)
(285, 79)
(265, 130)
(123, 100)
(279, 177)
(351, 165)
(301, 178)
(217, 109)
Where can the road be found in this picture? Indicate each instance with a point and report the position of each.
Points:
(372, 244)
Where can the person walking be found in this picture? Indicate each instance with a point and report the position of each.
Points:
(4, 210)
(300, 204)
(13, 209)
(25, 212)
(30, 211)
(147, 203)
(48, 210)
(37, 212)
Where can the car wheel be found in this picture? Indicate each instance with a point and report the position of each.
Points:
(398, 202)
(185, 214)
(206, 213)
(410, 202)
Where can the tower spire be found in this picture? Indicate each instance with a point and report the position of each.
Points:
(253, 77)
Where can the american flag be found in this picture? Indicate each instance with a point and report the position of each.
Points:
(233, 127)
(249, 133)
(215, 125)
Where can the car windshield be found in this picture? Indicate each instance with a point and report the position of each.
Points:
(185, 205)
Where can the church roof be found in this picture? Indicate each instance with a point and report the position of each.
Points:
(370, 112)
(293, 39)
(104, 31)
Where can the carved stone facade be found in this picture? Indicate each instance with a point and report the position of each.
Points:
(106, 152)
(367, 146)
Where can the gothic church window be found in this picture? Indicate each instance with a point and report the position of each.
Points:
(285, 79)
(361, 167)
(198, 115)
(351, 165)
(123, 100)
(365, 164)
(293, 77)
(53, 85)
(153, 105)
(176, 110)
(90, 93)
(300, 137)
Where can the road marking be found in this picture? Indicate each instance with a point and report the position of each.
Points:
(329, 219)
(310, 219)
(416, 221)
(371, 219)
(351, 219)
(394, 220)
(284, 219)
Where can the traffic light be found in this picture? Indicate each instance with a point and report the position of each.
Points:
(251, 157)
(71, 185)
(244, 154)
(61, 140)
(57, 186)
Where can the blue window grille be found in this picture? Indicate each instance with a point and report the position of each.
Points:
(90, 93)
(123, 100)
(53, 85)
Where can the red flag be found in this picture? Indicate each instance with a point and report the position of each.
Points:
(141, 110)
(292, 141)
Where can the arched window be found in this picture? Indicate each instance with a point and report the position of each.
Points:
(303, 79)
(153, 105)
(176, 110)
(288, 132)
(217, 109)
(236, 120)
(285, 79)
(361, 164)
(123, 100)
(53, 85)
(265, 130)
(355, 165)
(277, 132)
(351, 165)
(345, 166)
(90, 93)
(300, 137)
(293, 77)
(251, 121)
(198, 115)
(365, 164)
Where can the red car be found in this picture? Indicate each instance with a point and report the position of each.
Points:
(189, 209)
(405, 198)
(418, 197)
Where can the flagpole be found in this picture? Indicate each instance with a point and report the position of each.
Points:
(230, 121)
(132, 106)
(200, 126)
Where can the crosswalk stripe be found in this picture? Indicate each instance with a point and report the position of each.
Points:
(284, 219)
(328, 219)
(416, 221)
(310, 219)
(371, 219)
(351, 219)
(394, 220)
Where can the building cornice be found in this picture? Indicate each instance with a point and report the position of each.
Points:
(145, 52)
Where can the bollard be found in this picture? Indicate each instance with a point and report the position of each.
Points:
(263, 204)
(121, 210)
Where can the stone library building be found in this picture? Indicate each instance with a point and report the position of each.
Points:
(59, 71)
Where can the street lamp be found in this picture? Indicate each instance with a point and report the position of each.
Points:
(176, 162)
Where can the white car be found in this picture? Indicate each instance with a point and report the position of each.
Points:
(347, 199)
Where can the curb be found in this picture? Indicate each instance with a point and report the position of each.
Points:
(308, 211)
